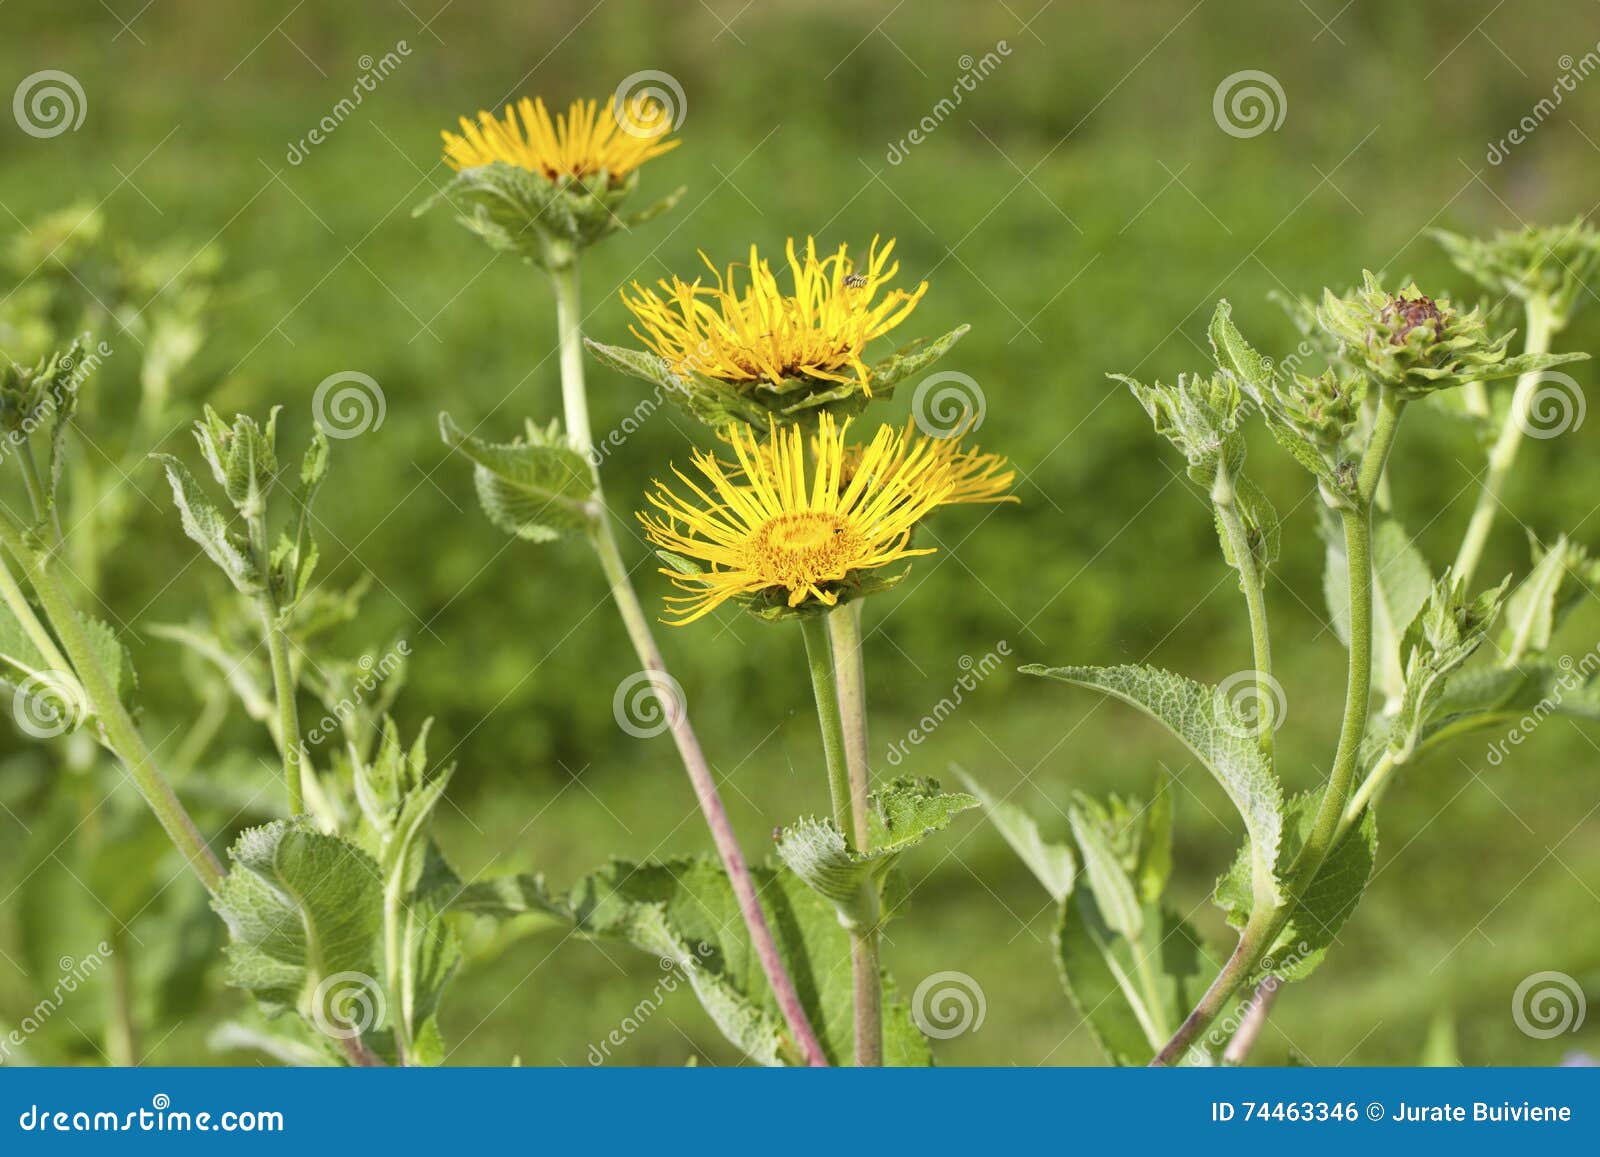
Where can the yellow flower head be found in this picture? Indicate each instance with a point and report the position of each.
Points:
(589, 139)
(746, 329)
(774, 526)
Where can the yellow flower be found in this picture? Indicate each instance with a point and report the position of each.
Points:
(774, 525)
(589, 139)
(746, 329)
(975, 477)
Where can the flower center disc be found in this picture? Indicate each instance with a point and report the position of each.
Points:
(798, 550)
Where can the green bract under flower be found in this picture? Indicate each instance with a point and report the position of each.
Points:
(30, 393)
(548, 222)
(1414, 344)
(1548, 264)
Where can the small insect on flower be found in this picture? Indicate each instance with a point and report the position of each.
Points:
(745, 328)
(588, 140)
(772, 527)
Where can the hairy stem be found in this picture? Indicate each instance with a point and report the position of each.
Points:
(603, 538)
(820, 641)
(1266, 922)
(120, 731)
(1540, 326)
(1250, 579)
(849, 669)
(283, 681)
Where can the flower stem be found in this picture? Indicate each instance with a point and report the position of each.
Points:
(120, 731)
(1541, 325)
(823, 640)
(849, 669)
(603, 539)
(288, 712)
(1250, 579)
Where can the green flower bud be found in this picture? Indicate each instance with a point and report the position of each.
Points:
(1414, 344)
(1548, 264)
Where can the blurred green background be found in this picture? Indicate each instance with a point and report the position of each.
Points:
(1082, 208)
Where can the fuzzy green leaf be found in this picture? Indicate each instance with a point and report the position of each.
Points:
(900, 816)
(1197, 715)
(1053, 864)
(1132, 995)
(508, 897)
(684, 912)
(304, 911)
(206, 525)
(1323, 906)
(537, 488)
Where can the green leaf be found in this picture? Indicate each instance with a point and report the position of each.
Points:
(1053, 864)
(1535, 607)
(304, 912)
(48, 699)
(1196, 714)
(1323, 906)
(1235, 355)
(1132, 995)
(206, 525)
(508, 897)
(684, 912)
(900, 816)
(1114, 896)
(911, 359)
(1154, 866)
(537, 488)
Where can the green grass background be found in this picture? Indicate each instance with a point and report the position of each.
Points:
(1084, 212)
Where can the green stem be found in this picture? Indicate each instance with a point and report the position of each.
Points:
(1503, 455)
(1267, 921)
(1370, 790)
(603, 538)
(1250, 579)
(120, 731)
(820, 640)
(284, 689)
(849, 668)
(819, 659)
